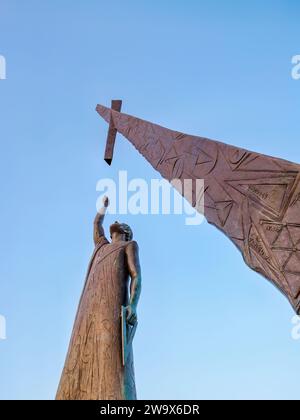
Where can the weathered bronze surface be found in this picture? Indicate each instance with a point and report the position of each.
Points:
(254, 199)
(94, 368)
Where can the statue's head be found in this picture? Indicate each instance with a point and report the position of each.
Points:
(121, 229)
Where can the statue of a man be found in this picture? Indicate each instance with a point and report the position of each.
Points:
(93, 369)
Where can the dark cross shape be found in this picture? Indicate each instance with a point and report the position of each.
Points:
(116, 105)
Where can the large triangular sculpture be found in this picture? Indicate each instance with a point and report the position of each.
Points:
(254, 199)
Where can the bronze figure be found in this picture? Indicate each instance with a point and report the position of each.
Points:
(254, 199)
(95, 368)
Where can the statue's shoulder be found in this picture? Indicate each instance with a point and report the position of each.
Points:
(101, 241)
(132, 244)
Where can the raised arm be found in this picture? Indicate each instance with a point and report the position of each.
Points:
(98, 222)
(134, 268)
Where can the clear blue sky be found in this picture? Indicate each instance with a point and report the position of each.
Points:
(209, 327)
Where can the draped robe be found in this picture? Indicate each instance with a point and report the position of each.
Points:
(93, 368)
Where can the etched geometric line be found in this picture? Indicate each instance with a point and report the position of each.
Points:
(289, 266)
(271, 194)
(223, 209)
(284, 239)
(256, 243)
(237, 156)
(203, 157)
(257, 163)
(233, 157)
(285, 234)
(203, 162)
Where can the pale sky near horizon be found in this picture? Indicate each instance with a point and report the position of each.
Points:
(209, 327)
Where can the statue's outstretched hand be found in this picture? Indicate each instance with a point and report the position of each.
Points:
(105, 201)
